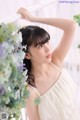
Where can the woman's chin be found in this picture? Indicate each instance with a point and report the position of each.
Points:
(48, 60)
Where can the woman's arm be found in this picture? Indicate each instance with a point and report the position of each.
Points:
(31, 107)
(68, 27)
(64, 24)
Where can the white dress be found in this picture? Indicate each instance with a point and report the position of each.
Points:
(59, 102)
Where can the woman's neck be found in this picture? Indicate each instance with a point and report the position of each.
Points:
(40, 69)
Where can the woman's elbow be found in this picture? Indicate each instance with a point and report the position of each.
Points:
(73, 25)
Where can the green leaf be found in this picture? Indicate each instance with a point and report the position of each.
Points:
(77, 18)
(37, 101)
(11, 77)
(79, 46)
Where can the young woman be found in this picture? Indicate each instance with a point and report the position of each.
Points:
(46, 76)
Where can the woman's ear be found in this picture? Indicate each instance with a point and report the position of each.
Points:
(27, 56)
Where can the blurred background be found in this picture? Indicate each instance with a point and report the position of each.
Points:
(57, 9)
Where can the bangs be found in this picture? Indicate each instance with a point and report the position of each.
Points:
(40, 37)
(34, 35)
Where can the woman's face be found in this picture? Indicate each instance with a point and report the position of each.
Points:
(41, 53)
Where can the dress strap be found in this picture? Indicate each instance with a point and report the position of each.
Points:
(60, 69)
(35, 90)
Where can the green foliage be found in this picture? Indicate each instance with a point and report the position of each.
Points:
(13, 86)
(79, 46)
(77, 18)
(13, 90)
(7, 30)
(37, 101)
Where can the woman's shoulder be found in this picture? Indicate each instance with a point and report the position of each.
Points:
(31, 106)
(32, 92)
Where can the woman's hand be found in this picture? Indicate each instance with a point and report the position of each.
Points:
(26, 14)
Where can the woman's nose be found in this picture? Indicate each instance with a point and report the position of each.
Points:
(47, 47)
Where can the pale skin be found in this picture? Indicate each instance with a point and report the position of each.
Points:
(41, 66)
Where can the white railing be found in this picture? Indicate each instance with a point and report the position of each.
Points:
(31, 9)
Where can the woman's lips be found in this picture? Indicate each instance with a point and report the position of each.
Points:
(48, 56)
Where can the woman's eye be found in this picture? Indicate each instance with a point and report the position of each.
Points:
(48, 42)
(40, 46)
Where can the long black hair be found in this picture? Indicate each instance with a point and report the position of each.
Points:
(32, 35)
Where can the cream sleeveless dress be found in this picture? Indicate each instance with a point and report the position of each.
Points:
(58, 103)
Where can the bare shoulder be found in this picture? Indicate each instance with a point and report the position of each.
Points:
(31, 107)
(33, 94)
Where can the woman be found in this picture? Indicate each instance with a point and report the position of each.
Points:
(47, 78)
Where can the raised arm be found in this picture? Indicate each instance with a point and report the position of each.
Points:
(68, 26)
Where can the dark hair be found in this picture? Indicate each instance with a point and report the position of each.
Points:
(32, 35)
